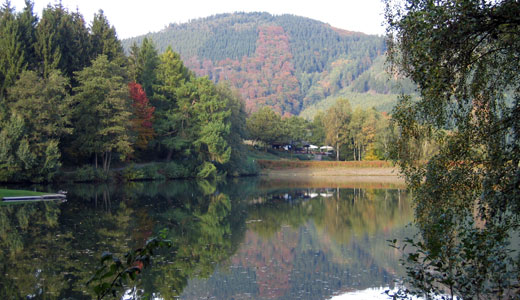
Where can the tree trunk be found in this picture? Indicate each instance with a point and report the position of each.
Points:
(337, 151)
(105, 158)
(169, 155)
(109, 161)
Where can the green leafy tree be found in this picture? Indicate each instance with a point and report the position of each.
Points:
(102, 114)
(265, 125)
(317, 129)
(40, 118)
(337, 121)
(213, 115)
(237, 163)
(22, 159)
(463, 57)
(173, 115)
(296, 130)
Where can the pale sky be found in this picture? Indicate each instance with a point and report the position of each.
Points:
(132, 17)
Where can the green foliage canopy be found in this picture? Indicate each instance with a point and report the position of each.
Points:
(463, 55)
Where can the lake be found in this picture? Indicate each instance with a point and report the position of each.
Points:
(249, 238)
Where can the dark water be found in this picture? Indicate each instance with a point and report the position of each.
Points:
(244, 239)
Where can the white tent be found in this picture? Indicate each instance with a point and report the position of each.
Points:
(326, 148)
(312, 147)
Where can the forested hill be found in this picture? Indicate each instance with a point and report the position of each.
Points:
(287, 62)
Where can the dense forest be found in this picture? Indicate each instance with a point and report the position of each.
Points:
(287, 62)
(70, 97)
(74, 105)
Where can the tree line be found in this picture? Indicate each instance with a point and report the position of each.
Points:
(70, 96)
(355, 134)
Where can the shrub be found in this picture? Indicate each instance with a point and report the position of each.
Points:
(89, 173)
(207, 170)
(131, 173)
(152, 172)
(173, 170)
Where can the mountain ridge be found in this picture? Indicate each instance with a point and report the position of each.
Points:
(288, 62)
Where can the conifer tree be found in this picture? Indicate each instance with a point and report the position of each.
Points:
(62, 41)
(27, 22)
(173, 114)
(11, 52)
(102, 112)
(104, 39)
(144, 61)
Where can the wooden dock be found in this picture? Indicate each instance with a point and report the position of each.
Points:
(47, 197)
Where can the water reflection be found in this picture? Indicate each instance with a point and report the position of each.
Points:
(242, 239)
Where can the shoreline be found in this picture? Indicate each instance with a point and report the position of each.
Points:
(337, 176)
(335, 171)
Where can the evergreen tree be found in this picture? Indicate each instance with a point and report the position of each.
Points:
(173, 114)
(12, 57)
(102, 114)
(104, 39)
(213, 124)
(62, 41)
(27, 22)
(40, 114)
(145, 61)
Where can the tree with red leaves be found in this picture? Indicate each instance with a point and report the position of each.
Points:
(143, 115)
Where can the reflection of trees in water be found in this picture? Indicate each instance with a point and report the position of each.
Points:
(55, 247)
(202, 238)
(28, 252)
(305, 244)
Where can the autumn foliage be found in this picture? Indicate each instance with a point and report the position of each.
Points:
(143, 115)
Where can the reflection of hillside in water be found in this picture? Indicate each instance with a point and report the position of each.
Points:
(311, 244)
(237, 240)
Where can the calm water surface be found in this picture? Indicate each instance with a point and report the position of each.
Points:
(251, 238)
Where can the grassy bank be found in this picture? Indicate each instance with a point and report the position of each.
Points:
(18, 193)
(295, 164)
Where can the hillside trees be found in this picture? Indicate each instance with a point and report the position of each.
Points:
(463, 55)
(285, 62)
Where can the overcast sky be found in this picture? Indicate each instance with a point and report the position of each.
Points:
(132, 17)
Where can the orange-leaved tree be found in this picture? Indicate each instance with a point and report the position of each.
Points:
(142, 115)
